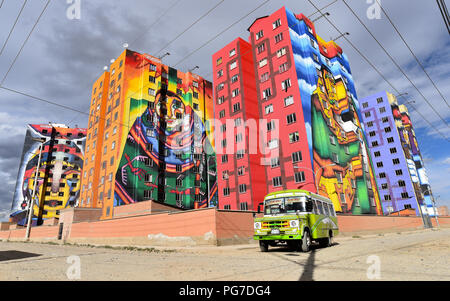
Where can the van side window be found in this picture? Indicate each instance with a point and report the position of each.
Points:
(332, 213)
(315, 211)
(319, 207)
(325, 209)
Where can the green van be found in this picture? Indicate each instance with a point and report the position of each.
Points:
(296, 217)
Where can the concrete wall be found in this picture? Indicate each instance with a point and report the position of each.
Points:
(187, 228)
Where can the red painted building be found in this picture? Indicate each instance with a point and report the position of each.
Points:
(301, 87)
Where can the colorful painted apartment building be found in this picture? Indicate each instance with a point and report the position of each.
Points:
(401, 176)
(306, 95)
(51, 165)
(149, 137)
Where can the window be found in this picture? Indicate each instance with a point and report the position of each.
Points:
(268, 109)
(238, 137)
(279, 37)
(222, 114)
(393, 150)
(367, 114)
(195, 84)
(276, 182)
(264, 77)
(296, 157)
(147, 194)
(283, 67)
(382, 175)
(374, 143)
(365, 105)
(219, 61)
(332, 139)
(275, 162)
(401, 183)
(399, 172)
(387, 129)
(259, 34)
(335, 157)
(281, 52)
(262, 63)
(384, 186)
(240, 154)
(220, 100)
(379, 100)
(224, 158)
(291, 118)
(382, 109)
(243, 206)
(261, 48)
(396, 161)
(286, 84)
(267, 93)
(404, 195)
(220, 86)
(242, 188)
(379, 164)
(299, 177)
(387, 197)
(232, 52)
(226, 191)
(234, 78)
(315, 57)
(373, 133)
(235, 93)
(219, 73)
(339, 177)
(390, 139)
(271, 125)
(276, 24)
(233, 65)
(152, 67)
(241, 171)
(288, 101)
(408, 206)
(293, 137)
(273, 143)
(151, 92)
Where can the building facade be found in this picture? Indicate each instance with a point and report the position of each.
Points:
(403, 183)
(148, 137)
(51, 165)
(306, 95)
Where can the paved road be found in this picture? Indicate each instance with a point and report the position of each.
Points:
(418, 255)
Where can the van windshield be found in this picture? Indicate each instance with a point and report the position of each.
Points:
(288, 205)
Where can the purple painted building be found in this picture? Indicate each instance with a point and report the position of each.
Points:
(397, 177)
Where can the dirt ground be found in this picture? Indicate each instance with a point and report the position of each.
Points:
(416, 255)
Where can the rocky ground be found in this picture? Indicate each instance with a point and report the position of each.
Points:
(415, 255)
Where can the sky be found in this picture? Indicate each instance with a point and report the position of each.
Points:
(65, 55)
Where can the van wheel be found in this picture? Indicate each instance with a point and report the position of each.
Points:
(263, 246)
(306, 241)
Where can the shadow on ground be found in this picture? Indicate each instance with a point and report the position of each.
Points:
(13, 254)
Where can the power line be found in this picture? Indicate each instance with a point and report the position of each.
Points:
(190, 26)
(410, 50)
(208, 74)
(14, 25)
(23, 45)
(373, 66)
(444, 13)
(154, 23)
(1, 4)
(395, 63)
(220, 33)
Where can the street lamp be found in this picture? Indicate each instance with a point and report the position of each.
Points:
(340, 36)
(323, 15)
(30, 203)
(434, 205)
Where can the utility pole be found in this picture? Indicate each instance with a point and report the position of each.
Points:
(30, 203)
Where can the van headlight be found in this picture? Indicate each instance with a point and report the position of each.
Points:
(293, 223)
(257, 225)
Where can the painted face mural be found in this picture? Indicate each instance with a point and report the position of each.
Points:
(58, 176)
(164, 156)
(340, 159)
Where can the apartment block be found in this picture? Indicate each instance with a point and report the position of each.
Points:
(401, 176)
(306, 95)
(149, 137)
(49, 172)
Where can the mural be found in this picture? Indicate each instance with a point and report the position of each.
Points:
(414, 158)
(168, 153)
(58, 175)
(343, 169)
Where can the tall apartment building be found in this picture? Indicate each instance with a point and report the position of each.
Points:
(51, 165)
(305, 92)
(402, 178)
(148, 137)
